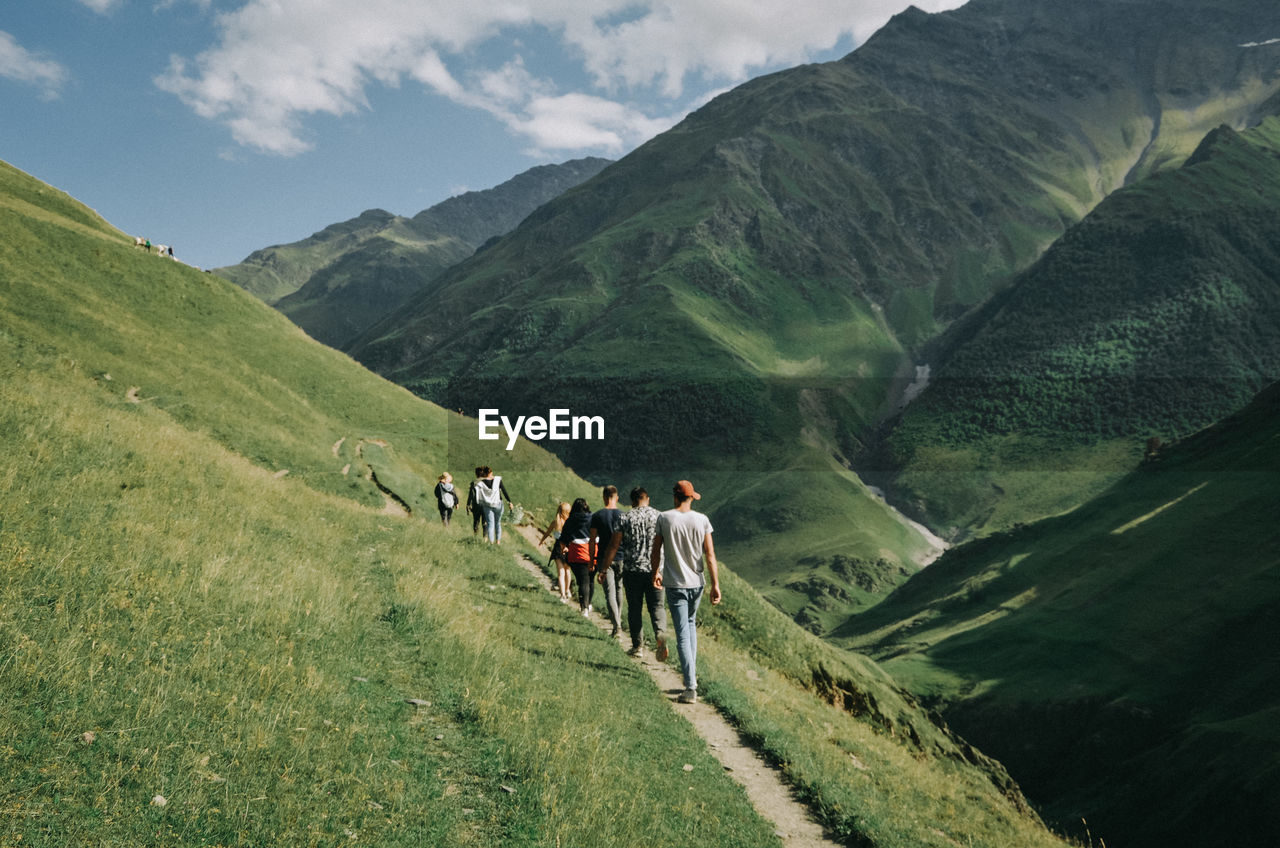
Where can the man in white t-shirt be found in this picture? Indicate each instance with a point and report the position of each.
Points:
(685, 535)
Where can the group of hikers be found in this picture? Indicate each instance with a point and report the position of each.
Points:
(486, 501)
(656, 560)
(162, 249)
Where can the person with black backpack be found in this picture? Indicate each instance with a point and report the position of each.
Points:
(446, 497)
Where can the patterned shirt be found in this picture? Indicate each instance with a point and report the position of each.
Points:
(638, 529)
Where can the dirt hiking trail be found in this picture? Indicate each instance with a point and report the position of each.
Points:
(764, 784)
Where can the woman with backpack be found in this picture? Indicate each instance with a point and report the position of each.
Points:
(446, 497)
(575, 537)
(490, 495)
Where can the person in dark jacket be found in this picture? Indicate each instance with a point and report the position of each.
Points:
(446, 498)
(575, 538)
(477, 517)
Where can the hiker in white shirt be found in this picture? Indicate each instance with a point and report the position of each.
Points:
(685, 536)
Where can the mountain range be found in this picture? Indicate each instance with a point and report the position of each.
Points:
(747, 295)
(339, 281)
(1156, 316)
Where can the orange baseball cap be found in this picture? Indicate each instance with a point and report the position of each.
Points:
(684, 489)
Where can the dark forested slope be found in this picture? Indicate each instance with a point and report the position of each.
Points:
(1156, 316)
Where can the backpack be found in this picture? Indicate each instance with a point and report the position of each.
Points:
(448, 499)
(489, 495)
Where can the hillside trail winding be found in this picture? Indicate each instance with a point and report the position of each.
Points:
(768, 792)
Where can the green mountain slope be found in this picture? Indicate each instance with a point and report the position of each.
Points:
(746, 293)
(342, 279)
(1157, 315)
(213, 616)
(1121, 659)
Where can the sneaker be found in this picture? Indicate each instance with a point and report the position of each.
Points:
(586, 612)
(688, 696)
(636, 651)
(660, 652)
(613, 634)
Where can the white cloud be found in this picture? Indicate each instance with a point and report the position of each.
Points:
(101, 6)
(18, 63)
(585, 122)
(642, 62)
(163, 5)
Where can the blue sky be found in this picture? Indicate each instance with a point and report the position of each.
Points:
(223, 126)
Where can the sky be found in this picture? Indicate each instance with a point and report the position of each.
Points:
(224, 126)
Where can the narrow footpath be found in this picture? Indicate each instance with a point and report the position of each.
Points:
(764, 784)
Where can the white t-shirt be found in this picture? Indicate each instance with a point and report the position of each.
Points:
(682, 536)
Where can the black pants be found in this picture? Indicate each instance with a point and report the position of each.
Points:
(446, 514)
(638, 586)
(583, 576)
(477, 519)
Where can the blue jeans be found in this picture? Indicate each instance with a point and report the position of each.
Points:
(684, 621)
(492, 521)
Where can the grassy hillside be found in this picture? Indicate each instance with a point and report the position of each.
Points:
(339, 281)
(1156, 316)
(1121, 659)
(184, 620)
(750, 290)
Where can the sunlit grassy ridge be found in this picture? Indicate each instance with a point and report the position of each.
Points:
(181, 620)
(243, 647)
(242, 643)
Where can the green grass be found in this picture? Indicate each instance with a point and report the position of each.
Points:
(207, 619)
(209, 623)
(242, 642)
(1116, 654)
(865, 757)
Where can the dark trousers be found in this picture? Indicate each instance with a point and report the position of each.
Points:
(586, 585)
(613, 595)
(638, 586)
(477, 519)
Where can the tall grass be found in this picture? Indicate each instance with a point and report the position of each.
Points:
(243, 647)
